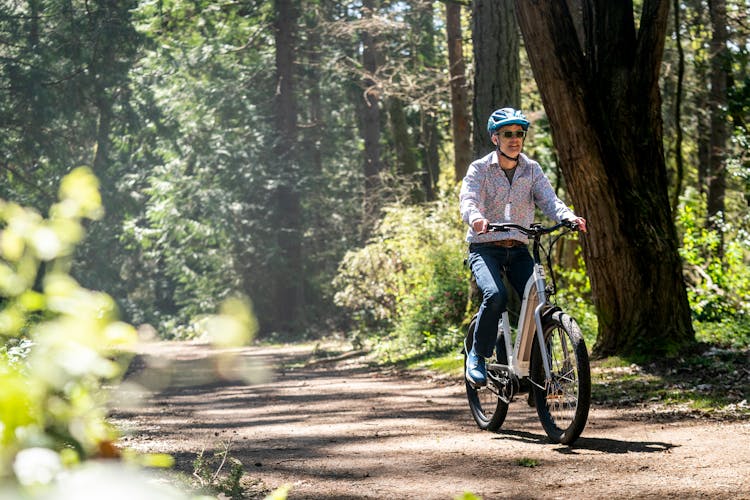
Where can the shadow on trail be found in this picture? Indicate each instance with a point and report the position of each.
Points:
(196, 397)
(603, 445)
(617, 446)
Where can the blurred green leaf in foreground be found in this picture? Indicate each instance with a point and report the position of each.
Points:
(60, 346)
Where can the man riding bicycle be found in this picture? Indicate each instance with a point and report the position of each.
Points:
(503, 186)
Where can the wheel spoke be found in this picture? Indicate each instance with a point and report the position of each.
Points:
(565, 401)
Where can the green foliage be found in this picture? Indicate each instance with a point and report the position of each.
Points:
(209, 473)
(718, 281)
(62, 342)
(731, 332)
(527, 462)
(409, 281)
(65, 101)
(210, 224)
(467, 496)
(574, 296)
(710, 383)
(199, 173)
(62, 345)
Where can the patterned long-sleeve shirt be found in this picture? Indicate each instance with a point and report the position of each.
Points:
(487, 193)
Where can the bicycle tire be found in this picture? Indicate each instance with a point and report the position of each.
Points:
(488, 410)
(563, 405)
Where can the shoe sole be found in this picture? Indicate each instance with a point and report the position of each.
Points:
(474, 383)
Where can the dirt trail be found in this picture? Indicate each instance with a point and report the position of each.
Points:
(342, 430)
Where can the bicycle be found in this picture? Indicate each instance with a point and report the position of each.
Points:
(549, 357)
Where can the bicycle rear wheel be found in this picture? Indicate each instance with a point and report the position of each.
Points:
(563, 402)
(487, 408)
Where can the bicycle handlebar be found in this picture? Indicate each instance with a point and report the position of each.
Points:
(534, 230)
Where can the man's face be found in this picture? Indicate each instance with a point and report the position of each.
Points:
(510, 139)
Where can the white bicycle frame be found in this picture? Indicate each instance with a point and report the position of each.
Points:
(530, 320)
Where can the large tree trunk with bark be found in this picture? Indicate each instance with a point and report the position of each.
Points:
(604, 108)
(460, 119)
(497, 81)
(288, 290)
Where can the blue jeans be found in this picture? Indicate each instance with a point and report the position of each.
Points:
(487, 263)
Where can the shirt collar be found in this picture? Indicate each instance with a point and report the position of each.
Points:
(496, 163)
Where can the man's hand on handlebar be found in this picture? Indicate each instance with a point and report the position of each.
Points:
(480, 226)
(580, 222)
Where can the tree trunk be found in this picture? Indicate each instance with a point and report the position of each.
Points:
(679, 160)
(430, 143)
(34, 102)
(285, 102)
(315, 129)
(720, 61)
(288, 290)
(429, 137)
(370, 121)
(460, 120)
(406, 159)
(604, 110)
(497, 80)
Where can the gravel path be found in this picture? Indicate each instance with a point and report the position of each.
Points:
(340, 429)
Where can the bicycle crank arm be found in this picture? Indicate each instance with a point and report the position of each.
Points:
(504, 369)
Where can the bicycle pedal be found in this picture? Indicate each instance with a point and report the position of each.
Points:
(476, 386)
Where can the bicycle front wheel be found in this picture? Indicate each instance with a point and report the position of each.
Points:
(563, 401)
(487, 408)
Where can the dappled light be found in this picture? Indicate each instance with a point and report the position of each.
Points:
(235, 251)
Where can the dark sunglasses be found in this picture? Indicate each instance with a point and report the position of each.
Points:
(508, 134)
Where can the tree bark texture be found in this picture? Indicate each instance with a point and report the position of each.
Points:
(460, 118)
(497, 80)
(603, 104)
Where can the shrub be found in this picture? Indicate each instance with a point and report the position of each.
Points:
(715, 262)
(408, 283)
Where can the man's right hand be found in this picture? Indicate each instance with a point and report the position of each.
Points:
(480, 226)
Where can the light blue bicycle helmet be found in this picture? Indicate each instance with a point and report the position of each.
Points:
(507, 116)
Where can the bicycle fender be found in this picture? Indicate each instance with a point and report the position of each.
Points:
(547, 314)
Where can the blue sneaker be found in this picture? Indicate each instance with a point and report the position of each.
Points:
(476, 373)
